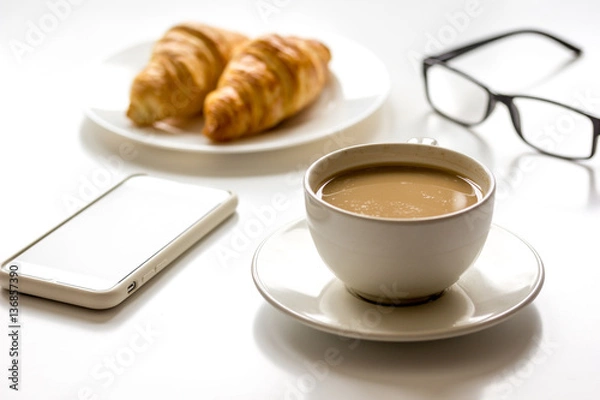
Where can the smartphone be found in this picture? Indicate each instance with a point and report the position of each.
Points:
(109, 249)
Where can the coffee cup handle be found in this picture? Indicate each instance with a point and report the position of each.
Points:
(423, 140)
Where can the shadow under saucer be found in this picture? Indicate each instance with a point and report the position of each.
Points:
(459, 367)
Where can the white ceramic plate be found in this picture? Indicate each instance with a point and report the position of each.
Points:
(358, 86)
(289, 274)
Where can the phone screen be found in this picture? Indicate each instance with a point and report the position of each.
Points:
(117, 233)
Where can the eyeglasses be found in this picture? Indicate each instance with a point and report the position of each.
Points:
(552, 128)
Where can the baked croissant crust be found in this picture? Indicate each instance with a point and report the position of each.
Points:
(184, 67)
(269, 79)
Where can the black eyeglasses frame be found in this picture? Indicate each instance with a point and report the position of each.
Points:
(508, 100)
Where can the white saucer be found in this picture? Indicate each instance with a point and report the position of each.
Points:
(290, 275)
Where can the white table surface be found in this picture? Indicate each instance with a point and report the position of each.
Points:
(208, 332)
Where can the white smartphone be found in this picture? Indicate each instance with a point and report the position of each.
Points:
(109, 249)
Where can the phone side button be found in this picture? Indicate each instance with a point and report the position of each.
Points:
(148, 275)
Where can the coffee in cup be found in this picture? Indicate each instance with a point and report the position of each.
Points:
(400, 191)
(398, 223)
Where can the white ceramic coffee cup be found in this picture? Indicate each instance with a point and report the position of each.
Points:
(392, 260)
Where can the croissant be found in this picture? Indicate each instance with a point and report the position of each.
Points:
(271, 78)
(184, 67)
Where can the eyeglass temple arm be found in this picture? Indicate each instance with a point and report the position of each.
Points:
(447, 56)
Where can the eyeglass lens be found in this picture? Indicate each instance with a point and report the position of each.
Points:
(555, 129)
(456, 96)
